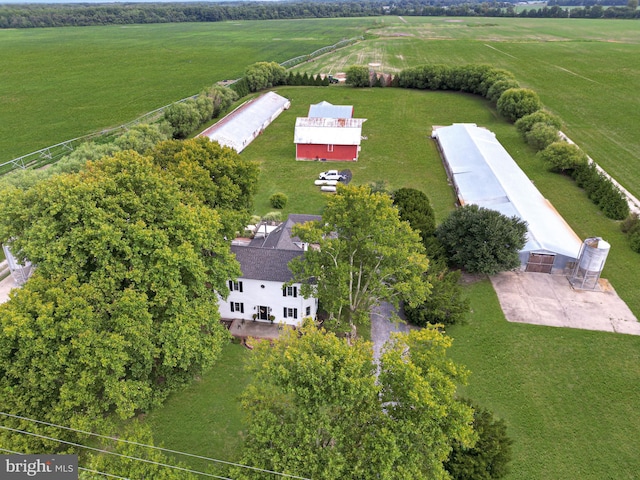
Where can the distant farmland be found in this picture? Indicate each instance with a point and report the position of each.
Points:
(62, 83)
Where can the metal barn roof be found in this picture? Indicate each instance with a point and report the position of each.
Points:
(328, 131)
(485, 175)
(327, 110)
(238, 129)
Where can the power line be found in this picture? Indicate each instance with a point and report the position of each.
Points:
(45, 437)
(200, 457)
(79, 468)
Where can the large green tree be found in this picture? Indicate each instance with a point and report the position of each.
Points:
(481, 240)
(141, 263)
(315, 409)
(365, 255)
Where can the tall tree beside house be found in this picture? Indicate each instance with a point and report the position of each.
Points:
(214, 175)
(315, 408)
(365, 255)
(123, 308)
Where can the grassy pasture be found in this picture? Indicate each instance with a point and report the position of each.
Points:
(62, 83)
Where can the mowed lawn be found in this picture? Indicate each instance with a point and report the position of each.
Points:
(569, 397)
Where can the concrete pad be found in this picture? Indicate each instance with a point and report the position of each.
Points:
(543, 299)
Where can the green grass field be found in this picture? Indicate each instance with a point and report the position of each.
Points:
(569, 397)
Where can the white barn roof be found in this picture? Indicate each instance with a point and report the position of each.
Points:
(238, 129)
(485, 175)
(328, 131)
(327, 110)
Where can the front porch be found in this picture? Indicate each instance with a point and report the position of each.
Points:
(245, 329)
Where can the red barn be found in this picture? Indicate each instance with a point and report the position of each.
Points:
(328, 133)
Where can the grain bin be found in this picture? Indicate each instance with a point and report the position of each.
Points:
(591, 260)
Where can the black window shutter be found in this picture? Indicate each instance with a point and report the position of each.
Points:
(285, 312)
(295, 313)
(232, 307)
(231, 286)
(240, 283)
(295, 291)
(242, 308)
(284, 291)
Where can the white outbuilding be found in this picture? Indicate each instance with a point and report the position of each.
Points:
(238, 129)
(484, 174)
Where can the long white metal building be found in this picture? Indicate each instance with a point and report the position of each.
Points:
(238, 129)
(484, 174)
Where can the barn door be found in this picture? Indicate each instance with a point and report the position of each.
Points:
(540, 263)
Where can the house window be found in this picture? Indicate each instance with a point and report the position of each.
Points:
(308, 312)
(235, 286)
(290, 312)
(329, 148)
(237, 307)
(290, 291)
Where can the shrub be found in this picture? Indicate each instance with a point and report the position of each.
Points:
(563, 156)
(541, 136)
(526, 123)
(489, 458)
(446, 303)
(272, 217)
(631, 224)
(278, 200)
(499, 87)
(358, 76)
(601, 191)
(515, 103)
(482, 240)
(634, 241)
(414, 207)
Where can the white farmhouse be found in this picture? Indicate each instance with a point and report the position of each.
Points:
(259, 293)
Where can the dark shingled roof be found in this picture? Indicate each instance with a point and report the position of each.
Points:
(281, 238)
(267, 264)
(267, 258)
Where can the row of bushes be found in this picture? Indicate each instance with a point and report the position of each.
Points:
(262, 75)
(185, 117)
(541, 130)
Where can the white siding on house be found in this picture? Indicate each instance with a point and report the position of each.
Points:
(261, 293)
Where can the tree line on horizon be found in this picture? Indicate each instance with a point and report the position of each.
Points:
(64, 15)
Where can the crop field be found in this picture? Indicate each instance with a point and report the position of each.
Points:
(569, 397)
(62, 83)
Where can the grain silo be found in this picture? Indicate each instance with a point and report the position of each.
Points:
(593, 254)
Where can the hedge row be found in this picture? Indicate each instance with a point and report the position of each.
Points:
(601, 191)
